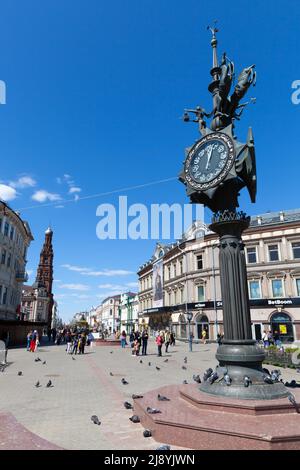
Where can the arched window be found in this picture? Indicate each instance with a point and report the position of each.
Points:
(202, 323)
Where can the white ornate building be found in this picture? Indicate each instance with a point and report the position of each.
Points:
(191, 279)
(129, 307)
(111, 313)
(15, 237)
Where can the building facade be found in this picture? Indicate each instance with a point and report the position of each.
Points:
(15, 237)
(191, 280)
(129, 307)
(111, 314)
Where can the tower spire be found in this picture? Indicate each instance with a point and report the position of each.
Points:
(214, 43)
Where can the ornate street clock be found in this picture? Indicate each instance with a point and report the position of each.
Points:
(209, 161)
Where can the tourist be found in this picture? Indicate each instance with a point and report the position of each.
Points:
(138, 338)
(203, 336)
(159, 342)
(29, 338)
(265, 338)
(131, 337)
(172, 339)
(32, 342)
(75, 345)
(145, 338)
(69, 342)
(277, 339)
(82, 343)
(270, 338)
(37, 342)
(123, 339)
(167, 340)
(219, 339)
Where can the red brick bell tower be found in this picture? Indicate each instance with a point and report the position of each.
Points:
(44, 276)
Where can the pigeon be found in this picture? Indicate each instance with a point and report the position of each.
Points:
(152, 411)
(147, 433)
(38, 384)
(268, 379)
(227, 379)
(149, 363)
(197, 379)
(134, 397)
(141, 362)
(111, 374)
(162, 398)
(185, 382)
(213, 378)
(135, 419)
(207, 374)
(73, 358)
(298, 370)
(111, 352)
(124, 382)
(247, 381)
(157, 368)
(183, 367)
(20, 373)
(95, 420)
(166, 360)
(293, 401)
(49, 384)
(44, 363)
(292, 384)
(275, 375)
(2, 369)
(128, 405)
(163, 447)
(185, 360)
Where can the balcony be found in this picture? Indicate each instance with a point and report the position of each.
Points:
(21, 276)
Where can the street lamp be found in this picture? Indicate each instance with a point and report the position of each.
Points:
(189, 317)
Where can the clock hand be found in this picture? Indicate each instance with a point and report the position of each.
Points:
(209, 157)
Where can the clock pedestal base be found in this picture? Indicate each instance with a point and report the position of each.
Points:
(197, 420)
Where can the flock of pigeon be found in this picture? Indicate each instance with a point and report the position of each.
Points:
(220, 374)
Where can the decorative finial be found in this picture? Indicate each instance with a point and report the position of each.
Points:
(214, 43)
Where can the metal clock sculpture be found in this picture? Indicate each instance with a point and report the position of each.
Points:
(216, 168)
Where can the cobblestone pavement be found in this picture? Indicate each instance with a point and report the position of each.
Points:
(84, 387)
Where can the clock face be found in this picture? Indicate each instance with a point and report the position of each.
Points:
(209, 161)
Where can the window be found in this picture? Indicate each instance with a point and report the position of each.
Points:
(277, 288)
(110, 311)
(11, 235)
(200, 262)
(251, 255)
(254, 290)
(0, 294)
(9, 260)
(169, 272)
(170, 298)
(296, 250)
(6, 229)
(174, 270)
(273, 253)
(201, 295)
(298, 287)
(3, 257)
(4, 296)
(181, 267)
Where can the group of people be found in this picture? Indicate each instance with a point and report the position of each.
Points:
(76, 342)
(271, 339)
(139, 341)
(32, 340)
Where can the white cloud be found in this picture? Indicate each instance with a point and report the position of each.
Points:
(43, 196)
(74, 189)
(23, 182)
(89, 272)
(80, 287)
(118, 287)
(60, 206)
(7, 193)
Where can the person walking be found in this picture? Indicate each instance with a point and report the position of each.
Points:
(265, 339)
(123, 339)
(167, 340)
(37, 341)
(75, 345)
(159, 342)
(32, 342)
(145, 337)
(203, 336)
(29, 338)
(138, 338)
(69, 342)
(172, 339)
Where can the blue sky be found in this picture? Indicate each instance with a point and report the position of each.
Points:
(95, 91)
